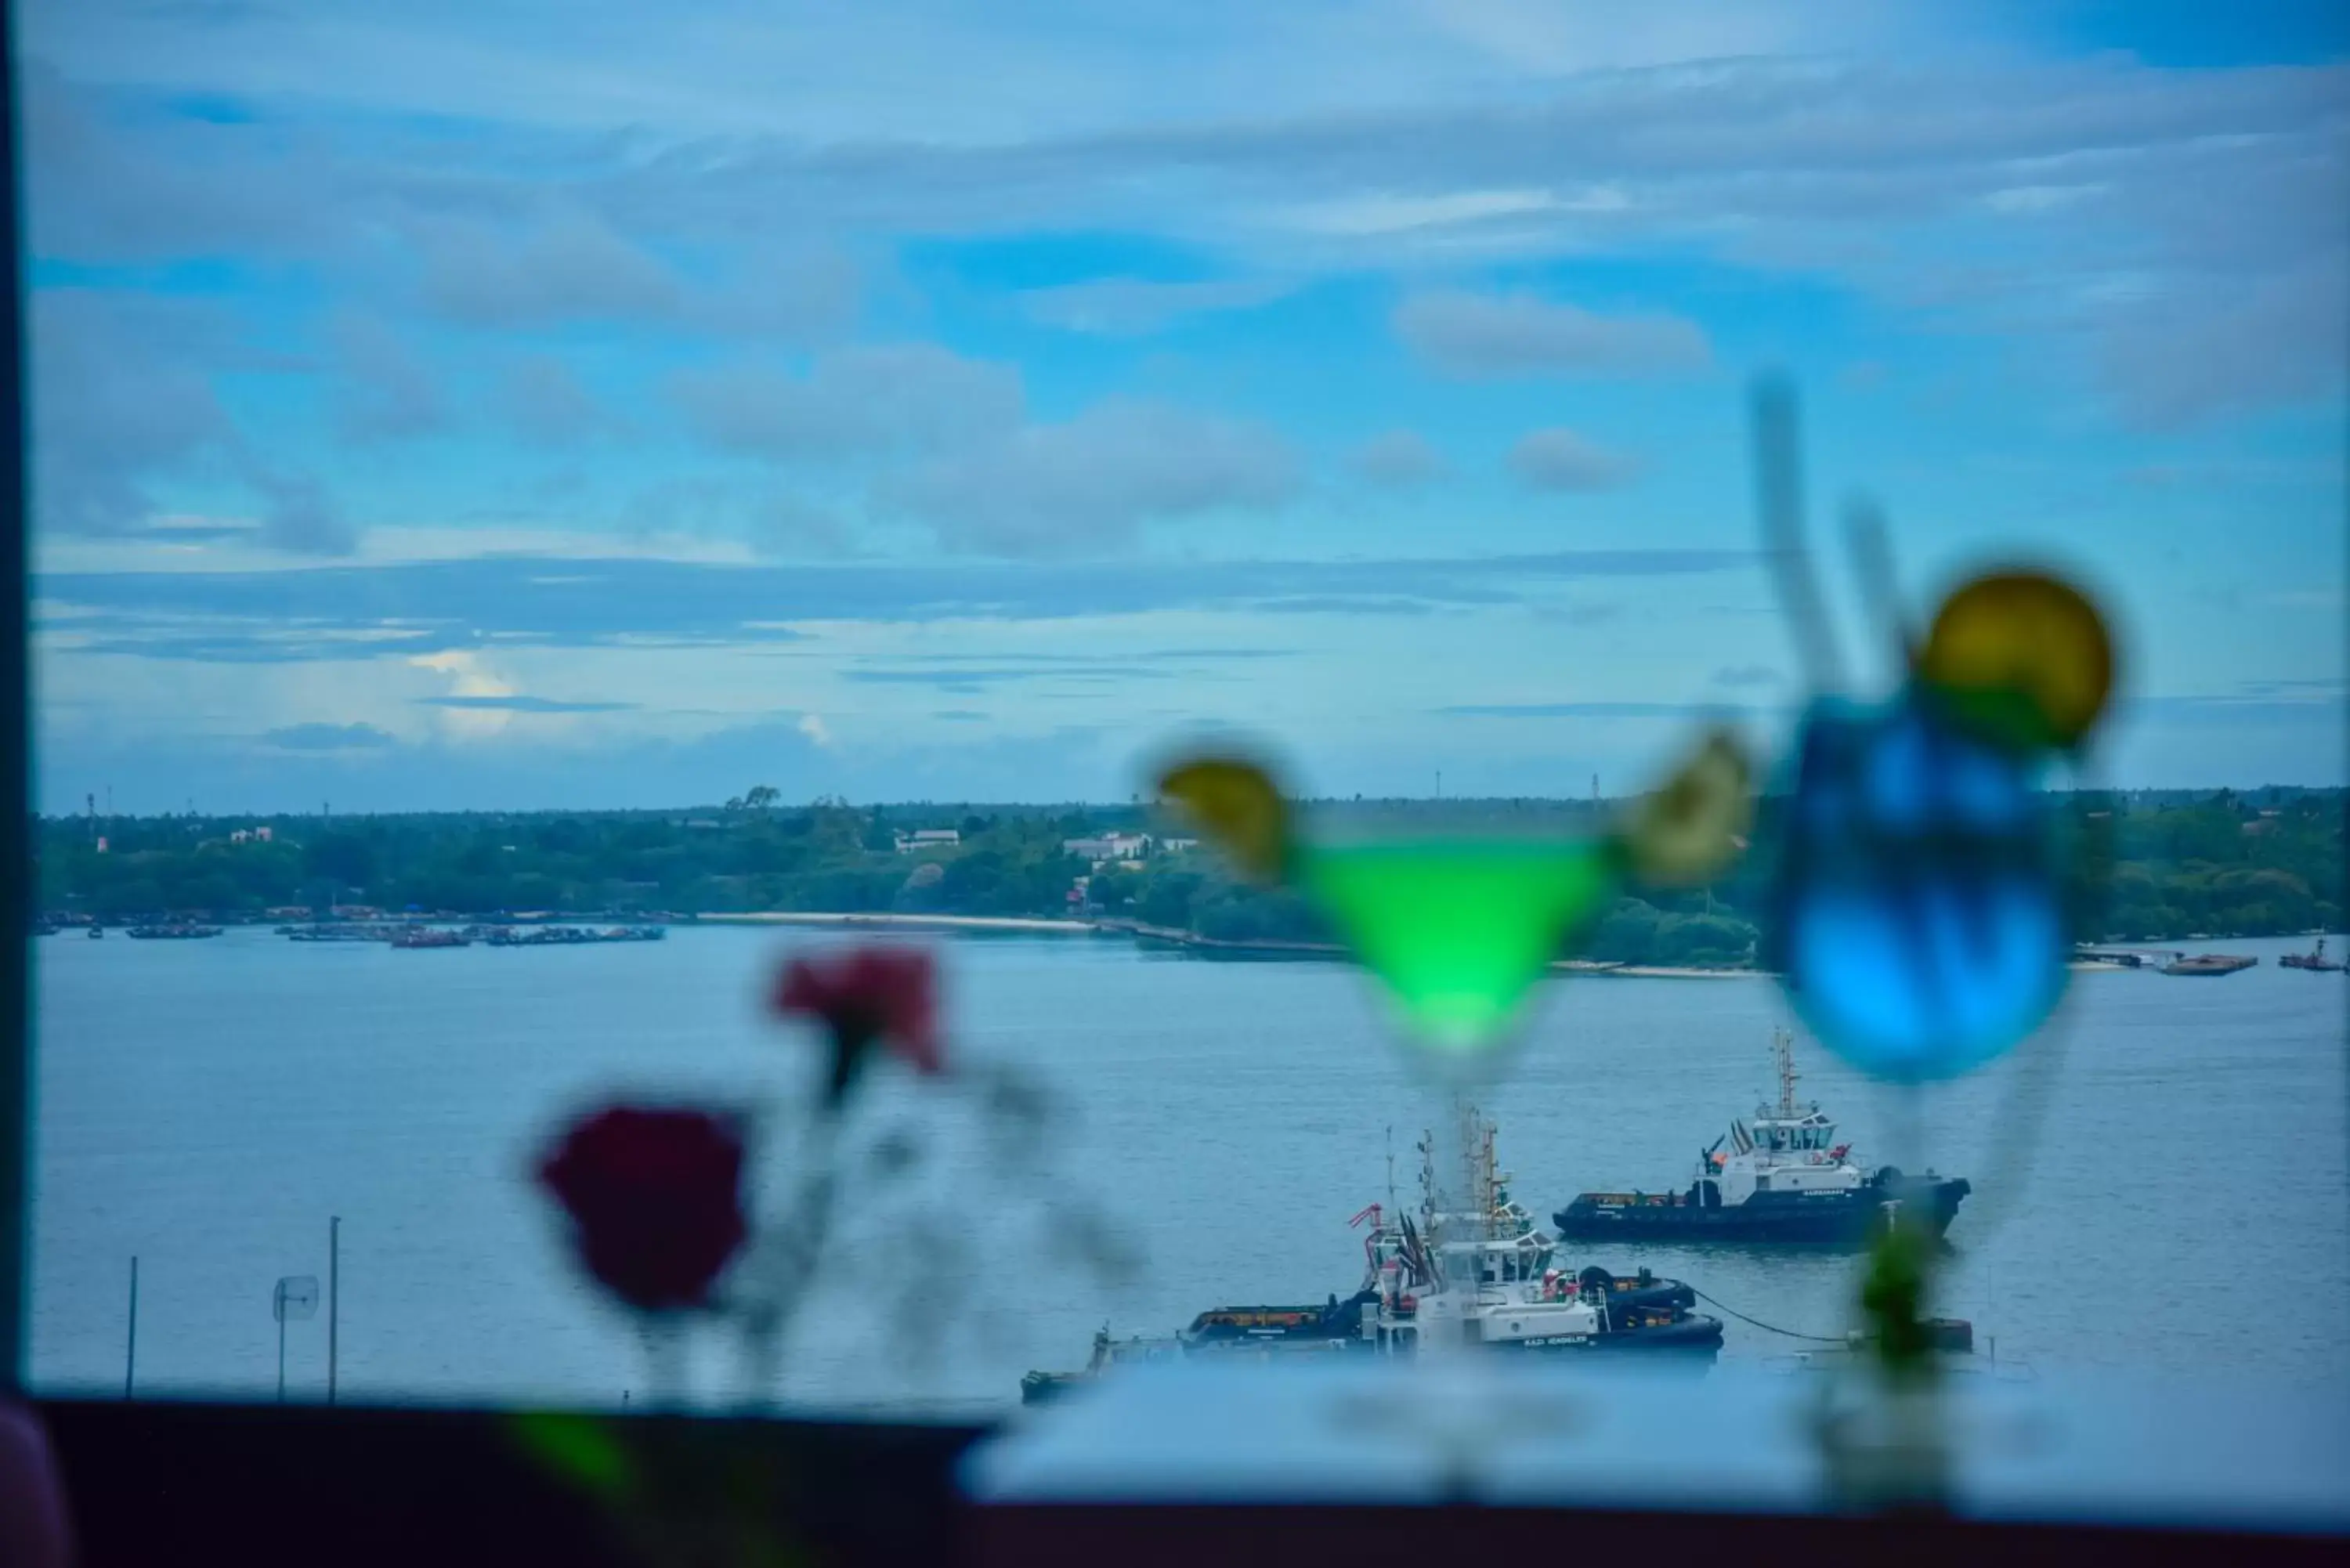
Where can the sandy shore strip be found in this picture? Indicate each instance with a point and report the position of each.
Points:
(1035, 926)
(1650, 971)
(904, 922)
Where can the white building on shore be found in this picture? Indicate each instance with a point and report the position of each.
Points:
(1109, 847)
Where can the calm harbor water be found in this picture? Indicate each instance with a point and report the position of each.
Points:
(207, 1105)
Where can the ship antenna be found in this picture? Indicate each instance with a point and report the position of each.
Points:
(1483, 1130)
(1783, 1047)
(1392, 1208)
(1428, 1177)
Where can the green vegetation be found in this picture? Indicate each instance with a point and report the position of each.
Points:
(2149, 867)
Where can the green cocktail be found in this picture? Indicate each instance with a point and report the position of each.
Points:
(1459, 929)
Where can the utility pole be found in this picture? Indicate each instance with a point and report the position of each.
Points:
(130, 1346)
(296, 1296)
(334, 1296)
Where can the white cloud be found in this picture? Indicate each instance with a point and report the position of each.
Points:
(787, 525)
(569, 265)
(122, 406)
(1393, 215)
(381, 392)
(468, 676)
(1960, 183)
(1559, 459)
(1489, 337)
(1134, 307)
(2040, 198)
(767, 520)
(1049, 489)
(2178, 358)
(813, 726)
(299, 515)
(119, 402)
(852, 402)
(545, 403)
(1399, 459)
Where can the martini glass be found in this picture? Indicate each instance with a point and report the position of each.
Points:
(1458, 930)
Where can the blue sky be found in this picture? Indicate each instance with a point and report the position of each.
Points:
(591, 404)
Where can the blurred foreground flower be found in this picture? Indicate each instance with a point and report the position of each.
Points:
(864, 997)
(656, 1200)
(655, 1195)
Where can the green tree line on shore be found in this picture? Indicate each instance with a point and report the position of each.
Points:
(2144, 867)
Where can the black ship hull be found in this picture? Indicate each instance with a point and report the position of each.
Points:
(1839, 1219)
(1672, 1336)
(1692, 1335)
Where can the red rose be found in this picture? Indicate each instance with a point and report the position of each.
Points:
(657, 1197)
(865, 996)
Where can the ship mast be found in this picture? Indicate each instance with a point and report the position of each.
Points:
(1480, 1171)
(1783, 1051)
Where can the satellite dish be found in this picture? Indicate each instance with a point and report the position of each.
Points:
(296, 1297)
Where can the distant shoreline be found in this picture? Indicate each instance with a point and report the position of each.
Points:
(905, 922)
(1169, 936)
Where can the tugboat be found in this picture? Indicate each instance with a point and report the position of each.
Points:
(1488, 1278)
(1484, 1278)
(2314, 959)
(1783, 1179)
(1038, 1387)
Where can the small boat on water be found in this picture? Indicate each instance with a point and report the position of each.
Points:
(2314, 959)
(1784, 1179)
(340, 932)
(564, 935)
(2210, 966)
(1949, 1342)
(97, 931)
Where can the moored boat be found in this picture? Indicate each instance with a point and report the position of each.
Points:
(1784, 1179)
(2209, 966)
(2314, 959)
(173, 932)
